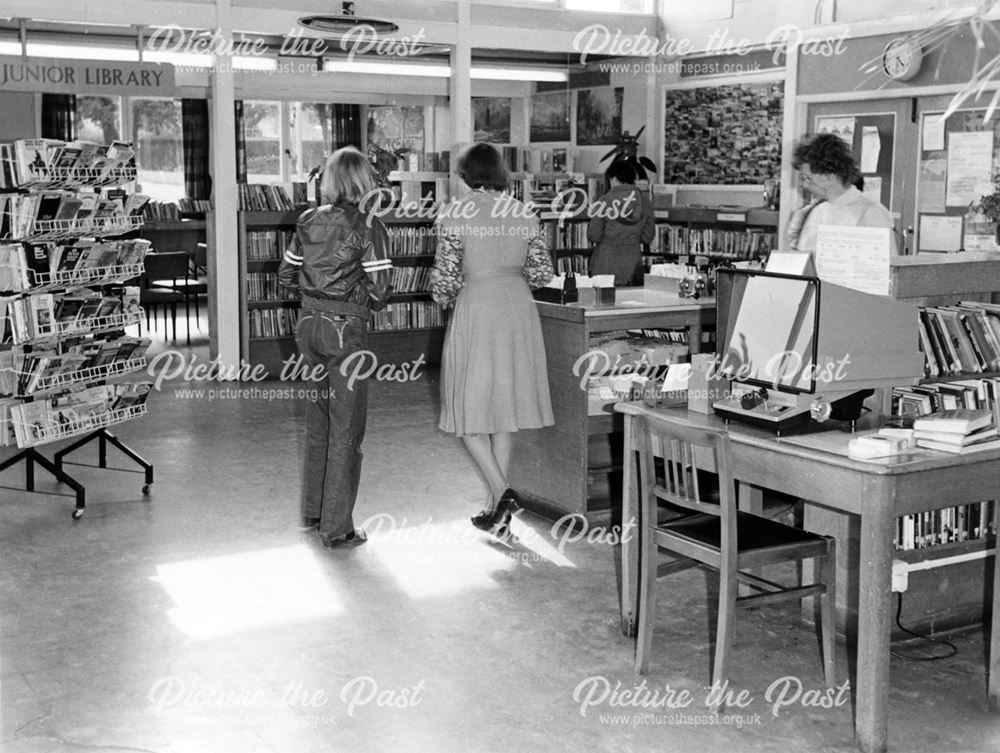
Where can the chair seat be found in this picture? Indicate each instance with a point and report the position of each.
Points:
(159, 295)
(192, 287)
(753, 532)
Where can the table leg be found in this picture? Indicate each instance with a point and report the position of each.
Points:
(750, 499)
(630, 535)
(993, 680)
(874, 619)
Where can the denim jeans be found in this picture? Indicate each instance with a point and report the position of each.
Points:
(335, 420)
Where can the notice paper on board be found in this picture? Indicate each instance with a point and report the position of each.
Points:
(970, 158)
(940, 233)
(854, 257)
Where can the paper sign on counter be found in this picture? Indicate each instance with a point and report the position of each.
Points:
(855, 257)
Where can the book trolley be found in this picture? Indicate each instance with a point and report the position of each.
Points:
(65, 305)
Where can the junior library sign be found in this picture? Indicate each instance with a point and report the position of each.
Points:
(52, 75)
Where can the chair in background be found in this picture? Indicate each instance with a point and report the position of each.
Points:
(156, 293)
(193, 284)
(714, 534)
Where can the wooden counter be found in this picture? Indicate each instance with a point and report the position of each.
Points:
(575, 465)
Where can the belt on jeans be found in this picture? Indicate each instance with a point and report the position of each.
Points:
(335, 307)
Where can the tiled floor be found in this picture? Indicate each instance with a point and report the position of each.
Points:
(199, 620)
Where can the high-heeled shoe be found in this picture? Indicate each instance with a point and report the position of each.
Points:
(508, 505)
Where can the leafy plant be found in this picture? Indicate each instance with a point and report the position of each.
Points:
(989, 205)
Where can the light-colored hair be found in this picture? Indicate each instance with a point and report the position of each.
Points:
(347, 177)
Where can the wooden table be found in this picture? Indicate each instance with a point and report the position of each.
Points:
(551, 467)
(877, 493)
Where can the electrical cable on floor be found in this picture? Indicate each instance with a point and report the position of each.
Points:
(904, 657)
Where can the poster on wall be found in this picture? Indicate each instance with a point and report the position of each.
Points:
(550, 117)
(725, 135)
(491, 119)
(843, 127)
(599, 116)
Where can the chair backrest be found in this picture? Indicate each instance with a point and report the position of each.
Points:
(166, 266)
(678, 442)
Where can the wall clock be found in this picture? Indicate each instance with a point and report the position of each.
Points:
(901, 59)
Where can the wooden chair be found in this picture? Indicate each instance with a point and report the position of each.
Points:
(193, 284)
(156, 291)
(714, 534)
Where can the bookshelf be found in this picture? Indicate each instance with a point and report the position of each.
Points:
(722, 234)
(930, 281)
(410, 327)
(66, 304)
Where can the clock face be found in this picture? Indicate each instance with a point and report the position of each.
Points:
(901, 59)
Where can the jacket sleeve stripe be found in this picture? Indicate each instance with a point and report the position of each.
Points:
(293, 259)
(374, 266)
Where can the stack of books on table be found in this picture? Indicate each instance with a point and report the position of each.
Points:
(957, 431)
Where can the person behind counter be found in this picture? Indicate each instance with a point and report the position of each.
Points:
(827, 168)
(622, 221)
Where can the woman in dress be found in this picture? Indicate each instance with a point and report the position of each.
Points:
(339, 264)
(491, 253)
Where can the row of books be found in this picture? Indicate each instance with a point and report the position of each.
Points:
(263, 286)
(409, 315)
(25, 215)
(434, 162)
(981, 393)
(161, 211)
(24, 266)
(411, 241)
(964, 338)
(962, 523)
(267, 245)
(74, 412)
(573, 265)
(674, 240)
(569, 236)
(49, 161)
(46, 315)
(194, 206)
(259, 197)
(82, 358)
(276, 322)
(411, 279)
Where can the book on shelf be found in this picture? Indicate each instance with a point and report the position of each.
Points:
(259, 197)
(962, 421)
(161, 211)
(953, 524)
(961, 338)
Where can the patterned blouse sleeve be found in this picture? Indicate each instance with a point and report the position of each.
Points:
(537, 269)
(447, 276)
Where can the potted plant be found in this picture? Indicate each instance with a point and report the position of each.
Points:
(989, 205)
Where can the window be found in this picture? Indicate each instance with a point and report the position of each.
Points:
(397, 129)
(262, 131)
(159, 154)
(98, 118)
(309, 126)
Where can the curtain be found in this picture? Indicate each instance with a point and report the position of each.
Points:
(241, 144)
(58, 114)
(194, 129)
(345, 126)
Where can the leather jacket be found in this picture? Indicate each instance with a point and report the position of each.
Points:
(340, 257)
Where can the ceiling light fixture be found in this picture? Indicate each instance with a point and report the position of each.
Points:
(346, 22)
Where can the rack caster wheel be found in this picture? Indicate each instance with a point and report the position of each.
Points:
(77, 514)
(145, 490)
